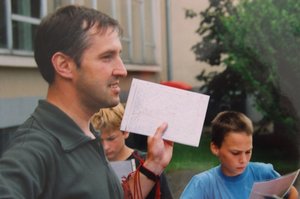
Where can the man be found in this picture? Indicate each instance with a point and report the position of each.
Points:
(56, 153)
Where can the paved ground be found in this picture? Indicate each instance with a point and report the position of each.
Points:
(178, 180)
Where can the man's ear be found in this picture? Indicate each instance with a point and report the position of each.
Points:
(214, 149)
(63, 65)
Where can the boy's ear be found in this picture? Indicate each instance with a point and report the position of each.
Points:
(214, 149)
(126, 134)
(63, 65)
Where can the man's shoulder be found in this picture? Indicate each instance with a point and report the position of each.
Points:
(31, 135)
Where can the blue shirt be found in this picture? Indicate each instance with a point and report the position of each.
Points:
(214, 184)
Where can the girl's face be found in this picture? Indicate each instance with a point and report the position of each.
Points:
(234, 153)
(113, 142)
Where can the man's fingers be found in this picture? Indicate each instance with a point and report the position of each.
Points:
(161, 129)
(169, 142)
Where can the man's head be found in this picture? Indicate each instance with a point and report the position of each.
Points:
(78, 52)
(232, 141)
(67, 31)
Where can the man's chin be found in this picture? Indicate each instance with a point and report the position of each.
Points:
(114, 102)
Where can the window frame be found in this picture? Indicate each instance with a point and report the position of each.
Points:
(129, 61)
(12, 17)
(24, 58)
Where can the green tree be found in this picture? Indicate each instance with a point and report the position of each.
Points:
(258, 41)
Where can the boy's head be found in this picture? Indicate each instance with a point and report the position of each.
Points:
(232, 141)
(108, 118)
(227, 122)
(108, 121)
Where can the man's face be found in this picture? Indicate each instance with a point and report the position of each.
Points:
(234, 153)
(101, 68)
(113, 142)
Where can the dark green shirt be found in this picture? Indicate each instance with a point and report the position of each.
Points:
(49, 157)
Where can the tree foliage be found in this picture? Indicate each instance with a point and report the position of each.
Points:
(258, 41)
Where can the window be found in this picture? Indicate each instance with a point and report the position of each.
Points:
(137, 20)
(3, 39)
(19, 19)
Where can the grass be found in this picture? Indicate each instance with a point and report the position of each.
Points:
(192, 158)
(200, 158)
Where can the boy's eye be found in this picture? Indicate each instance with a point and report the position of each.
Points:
(111, 139)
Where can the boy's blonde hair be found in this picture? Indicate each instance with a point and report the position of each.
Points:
(108, 118)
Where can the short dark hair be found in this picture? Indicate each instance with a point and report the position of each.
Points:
(66, 31)
(229, 121)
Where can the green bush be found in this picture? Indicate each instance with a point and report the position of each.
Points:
(258, 41)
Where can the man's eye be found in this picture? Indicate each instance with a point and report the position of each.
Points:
(107, 57)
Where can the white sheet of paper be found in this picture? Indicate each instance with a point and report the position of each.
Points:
(123, 168)
(150, 104)
(276, 188)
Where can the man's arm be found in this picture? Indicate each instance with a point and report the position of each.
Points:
(159, 155)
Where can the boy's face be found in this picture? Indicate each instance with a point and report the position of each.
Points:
(113, 142)
(234, 153)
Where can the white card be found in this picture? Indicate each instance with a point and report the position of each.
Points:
(150, 104)
(276, 188)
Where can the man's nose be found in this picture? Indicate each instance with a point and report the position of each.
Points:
(120, 69)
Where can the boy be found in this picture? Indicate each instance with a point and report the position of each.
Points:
(108, 121)
(231, 142)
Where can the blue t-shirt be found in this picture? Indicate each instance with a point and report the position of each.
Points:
(213, 184)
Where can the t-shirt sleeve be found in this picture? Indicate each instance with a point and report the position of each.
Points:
(265, 171)
(194, 189)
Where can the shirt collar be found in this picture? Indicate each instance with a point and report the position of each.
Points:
(60, 125)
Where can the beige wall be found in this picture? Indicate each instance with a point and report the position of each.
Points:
(185, 66)
(20, 78)
(21, 82)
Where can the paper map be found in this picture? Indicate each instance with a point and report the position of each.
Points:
(150, 104)
(276, 188)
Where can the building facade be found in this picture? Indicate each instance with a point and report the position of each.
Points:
(156, 47)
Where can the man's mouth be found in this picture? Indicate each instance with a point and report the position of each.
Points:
(114, 85)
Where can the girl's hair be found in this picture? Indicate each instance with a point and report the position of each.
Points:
(108, 118)
(227, 122)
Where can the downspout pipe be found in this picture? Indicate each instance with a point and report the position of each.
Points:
(169, 42)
